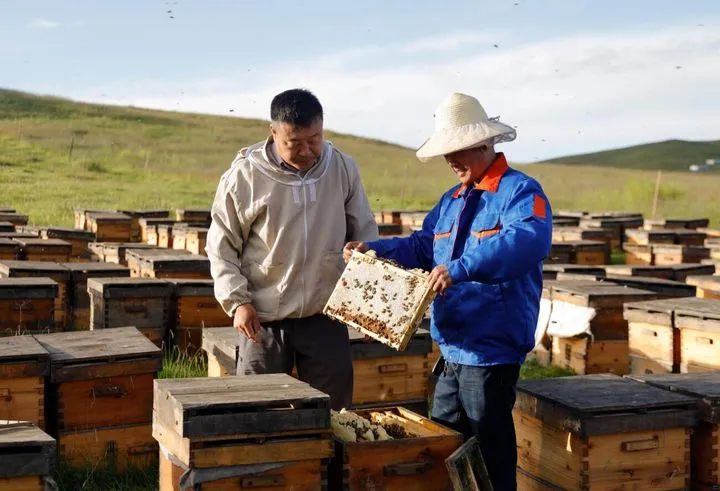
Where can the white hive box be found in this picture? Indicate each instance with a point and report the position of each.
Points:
(380, 299)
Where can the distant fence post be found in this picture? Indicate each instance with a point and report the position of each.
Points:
(657, 193)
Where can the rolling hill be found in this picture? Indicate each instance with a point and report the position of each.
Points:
(57, 154)
(675, 155)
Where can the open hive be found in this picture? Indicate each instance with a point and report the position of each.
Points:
(380, 299)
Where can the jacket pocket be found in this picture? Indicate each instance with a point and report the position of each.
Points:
(485, 225)
(443, 228)
(442, 244)
(265, 280)
(331, 269)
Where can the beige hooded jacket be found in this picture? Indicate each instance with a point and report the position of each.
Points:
(276, 238)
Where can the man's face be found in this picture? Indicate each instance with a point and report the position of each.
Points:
(298, 146)
(469, 165)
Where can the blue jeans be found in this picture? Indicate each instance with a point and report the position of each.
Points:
(478, 401)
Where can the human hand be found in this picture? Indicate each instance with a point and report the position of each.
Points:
(439, 279)
(246, 321)
(353, 246)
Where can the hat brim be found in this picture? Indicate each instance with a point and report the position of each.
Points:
(465, 137)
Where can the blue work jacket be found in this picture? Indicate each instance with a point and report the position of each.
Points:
(493, 238)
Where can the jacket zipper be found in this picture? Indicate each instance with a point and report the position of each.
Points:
(305, 239)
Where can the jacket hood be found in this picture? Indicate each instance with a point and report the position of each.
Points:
(257, 156)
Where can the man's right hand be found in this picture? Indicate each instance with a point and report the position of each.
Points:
(353, 246)
(246, 321)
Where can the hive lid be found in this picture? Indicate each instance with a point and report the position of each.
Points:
(178, 262)
(705, 387)
(703, 314)
(660, 312)
(574, 268)
(22, 288)
(193, 287)
(637, 270)
(11, 268)
(26, 451)
(130, 287)
(66, 233)
(598, 295)
(25, 352)
(146, 213)
(657, 285)
(81, 268)
(706, 282)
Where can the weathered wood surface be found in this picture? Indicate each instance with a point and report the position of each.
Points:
(681, 223)
(176, 263)
(660, 312)
(192, 215)
(379, 299)
(26, 450)
(467, 468)
(574, 268)
(15, 218)
(420, 344)
(26, 288)
(23, 356)
(202, 407)
(603, 404)
(599, 296)
(112, 288)
(7, 227)
(662, 287)
(703, 314)
(81, 271)
(664, 272)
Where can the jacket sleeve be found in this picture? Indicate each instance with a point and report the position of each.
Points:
(523, 241)
(414, 251)
(359, 217)
(224, 248)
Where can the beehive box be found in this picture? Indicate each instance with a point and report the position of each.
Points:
(17, 219)
(195, 240)
(36, 249)
(195, 216)
(648, 237)
(382, 375)
(602, 431)
(28, 457)
(137, 215)
(677, 223)
(618, 225)
(392, 216)
(646, 271)
(565, 222)
(413, 459)
(707, 286)
(110, 227)
(587, 326)
(27, 305)
(9, 249)
(682, 271)
(165, 235)
(79, 296)
(79, 240)
(690, 237)
(44, 269)
(560, 253)
(710, 232)
(390, 229)
(179, 237)
(116, 252)
(302, 475)
(258, 419)
(101, 390)
(663, 288)
(562, 234)
(194, 308)
(134, 257)
(550, 271)
(704, 451)
(150, 224)
(7, 227)
(81, 217)
(23, 365)
(654, 339)
(183, 266)
(679, 254)
(699, 336)
(221, 346)
(639, 254)
(380, 300)
(143, 303)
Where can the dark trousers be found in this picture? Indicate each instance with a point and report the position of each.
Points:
(478, 401)
(317, 346)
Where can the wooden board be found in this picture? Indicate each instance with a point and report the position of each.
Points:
(663, 272)
(416, 463)
(17, 219)
(221, 346)
(585, 356)
(661, 287)
(187, 265)
(26, 450)
(9, 249)
(45, 250)
(27, 305)
(603, 404)
(467, 468)
(380, 300)
(204, 407)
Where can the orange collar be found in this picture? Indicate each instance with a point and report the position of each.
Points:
(491, 179)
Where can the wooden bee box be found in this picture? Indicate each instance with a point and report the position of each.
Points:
(17, 219)
(699, 326)
(23, 365)
(618, 225)
(193, 216)
(560, 253)
(707, 286)
(218, 422)
(114, 252)
(690, 237)
(150, 224)
(36, 249)
(183, 266)
(639, 254)
(195, 308)
(221, 346)
(28, 456)
(165, 235)
(179, 237)
(575, 234)
(647, 271)
(677, 223)
(140, 302)
(110, 227)
(602, 431)
(7, 227)
(79, 240)
(137, 215)
(679, 254)
(195, 240)
(9, 249)
(392, 216)
(27, 305)
(384, 375)
(566, 222)
(704, 450)
(585, 356)
(79, 296)
(663, 288)
(43, 269)
(81, 217)
(648, 237)
(390, 229)
(303, 475)
(135, 258)
(380, 300)
(550, 271)
(682, 271)
(416, 462)
(100, 379)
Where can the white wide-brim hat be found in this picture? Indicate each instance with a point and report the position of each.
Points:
(462, 123)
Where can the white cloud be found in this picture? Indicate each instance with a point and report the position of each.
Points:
(44, 24)
(570, 94)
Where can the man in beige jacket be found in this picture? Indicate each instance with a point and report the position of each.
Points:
(281, 215)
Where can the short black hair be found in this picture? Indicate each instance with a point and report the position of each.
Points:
(298, 107)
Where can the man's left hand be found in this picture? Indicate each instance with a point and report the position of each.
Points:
(439, 279)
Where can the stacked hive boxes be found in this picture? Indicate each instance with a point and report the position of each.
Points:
(195, 308)
(27, 305)
(28, 457)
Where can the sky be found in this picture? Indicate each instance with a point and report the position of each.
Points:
(573, 76)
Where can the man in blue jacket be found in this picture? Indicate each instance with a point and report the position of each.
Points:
(484, 243)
